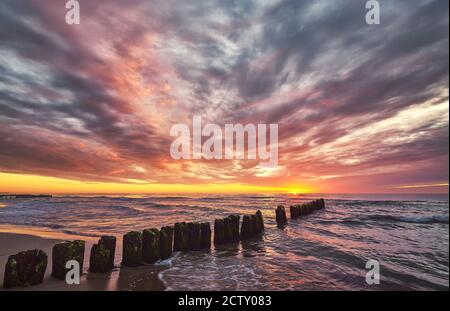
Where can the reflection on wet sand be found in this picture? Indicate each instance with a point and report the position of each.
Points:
(226, 250)
(253, 247)
(139, 279)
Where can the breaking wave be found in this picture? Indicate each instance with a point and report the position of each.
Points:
(436, 219)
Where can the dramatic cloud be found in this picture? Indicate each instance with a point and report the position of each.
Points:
(360, 107)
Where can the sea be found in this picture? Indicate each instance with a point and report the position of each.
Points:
(331, 249)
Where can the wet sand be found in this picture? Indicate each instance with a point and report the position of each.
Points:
(143, 278)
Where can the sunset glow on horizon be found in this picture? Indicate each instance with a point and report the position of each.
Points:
(88, 108)
(26, 184)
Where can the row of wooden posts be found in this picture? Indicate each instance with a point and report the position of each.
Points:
(139, 247)
(298, 211)
(28, 267)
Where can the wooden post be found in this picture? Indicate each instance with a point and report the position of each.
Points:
(219, 231)
(194, 236)
(234, 220)
(180, 242)
(246, 228)
(205, 229)
(259, 221)
(109, 242)
(25, 268)
(132, 249)
(150, 245)
(280, 214)
(62, 253)
(166, 242)
(99, 260)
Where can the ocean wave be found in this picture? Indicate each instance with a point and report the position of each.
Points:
(436, 219)
(345, 221)
(77, 233)
(214, 199)
(53, 228)
(157, 205)
(124, 208)
(170, 198)
(71, 198)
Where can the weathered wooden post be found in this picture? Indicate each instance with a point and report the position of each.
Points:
(305, 209)
(219, 231)
(246, 228)
(102, 255)
(259, 221)
(150, 245)
(280, 214)
(308, 208)
(205, 229)
(180, 239)
(295, 211)
(132, 249)
(322, 203)
(166, 242)
(62, 253)
(25, 269)
(301, 210)
(109, 242)
(234, 222)
(177, 236)
(194, 236)
(254, 227)
(99, 260)
(315, 205)
(228, 230)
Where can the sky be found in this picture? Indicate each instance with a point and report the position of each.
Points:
(88, 108)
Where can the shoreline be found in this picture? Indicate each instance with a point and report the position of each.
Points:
(143, 278)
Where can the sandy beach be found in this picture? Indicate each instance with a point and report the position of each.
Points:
(121, 278)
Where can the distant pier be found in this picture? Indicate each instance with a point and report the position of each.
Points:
(24, 196)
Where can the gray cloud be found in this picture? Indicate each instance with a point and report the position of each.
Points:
(232, 61)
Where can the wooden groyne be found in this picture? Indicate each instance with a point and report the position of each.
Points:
(306, 208)
(144, 247)
(297, 211)
(280, 216)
